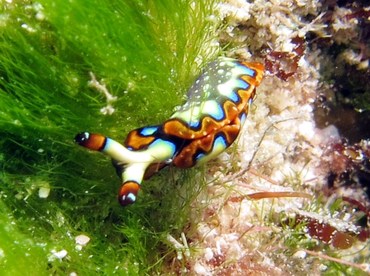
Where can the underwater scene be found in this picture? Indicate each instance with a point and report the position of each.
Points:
(184, 137)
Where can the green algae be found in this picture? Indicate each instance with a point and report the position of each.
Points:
(145, 53)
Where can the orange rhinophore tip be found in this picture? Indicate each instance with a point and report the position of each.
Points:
(128, 193)
(91, 140)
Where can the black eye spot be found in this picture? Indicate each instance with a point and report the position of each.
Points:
(81, 137)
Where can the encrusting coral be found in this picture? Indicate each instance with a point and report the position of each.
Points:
(280, 149)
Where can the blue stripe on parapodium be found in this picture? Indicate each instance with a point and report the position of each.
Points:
(246, 70)
(243, 118)
(242, 84)
(217, 143)
(159, 143)
(220, 141)
(147, 131)
(218, 113)
(194, 124)
(199, 157)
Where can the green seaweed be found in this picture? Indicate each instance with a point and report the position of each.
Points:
(145, 51)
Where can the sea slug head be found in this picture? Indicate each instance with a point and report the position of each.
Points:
(91, 141)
